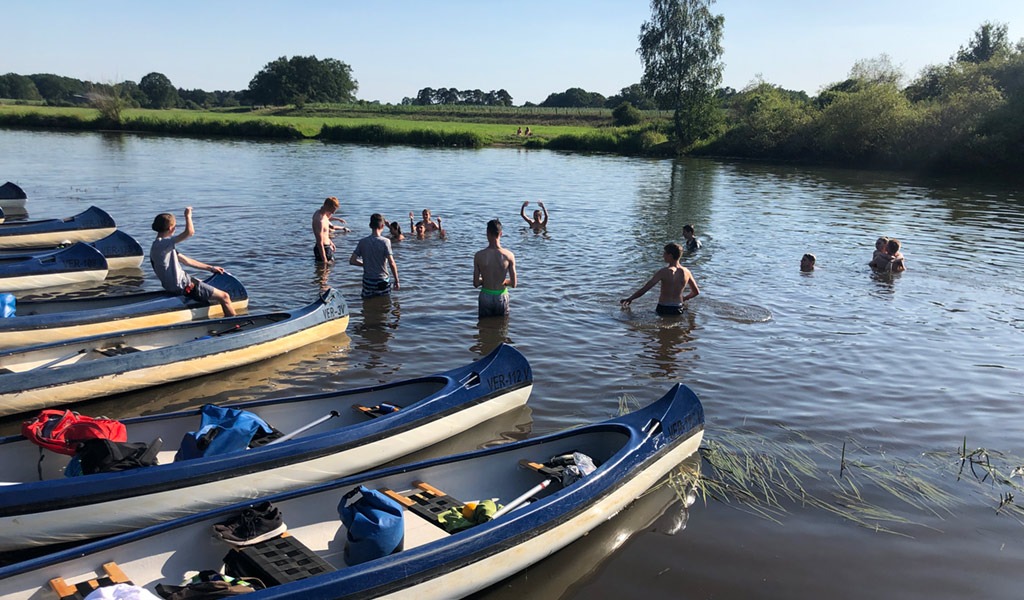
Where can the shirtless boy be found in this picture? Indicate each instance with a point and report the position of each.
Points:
(323, 246)
(166, 262)
(539, 222)
(428, 225)
(896, 261)
(494, 271)
(673, 278)
(880, 259)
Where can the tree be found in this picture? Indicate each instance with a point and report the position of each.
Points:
(18, 87)
(990, 40)
(159, 91)
(110, 101)
(574, 98)
(302, 79)
(681, 49)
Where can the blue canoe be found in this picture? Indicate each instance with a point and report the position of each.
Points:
(12, 200)
(47, 321)
(631, 453)
(88, 226)
(78, 263)
(121, 250)
(85, 368)
(430, 409)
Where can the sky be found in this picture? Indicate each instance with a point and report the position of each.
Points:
(530, 48)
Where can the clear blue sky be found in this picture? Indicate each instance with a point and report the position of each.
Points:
(530, 47)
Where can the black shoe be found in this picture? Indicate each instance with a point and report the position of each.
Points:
(256, 524)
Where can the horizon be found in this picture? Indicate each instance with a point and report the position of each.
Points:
(531, 49)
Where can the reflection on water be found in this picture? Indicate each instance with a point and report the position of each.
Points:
(906, 364)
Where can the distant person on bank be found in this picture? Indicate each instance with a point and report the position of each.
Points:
(494, 271)
(674, 279)
(539, 222)
(373, 254)
(166, 262)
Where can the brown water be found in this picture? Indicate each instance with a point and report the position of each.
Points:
(789, 365)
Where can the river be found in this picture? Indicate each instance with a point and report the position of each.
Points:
(852, 392)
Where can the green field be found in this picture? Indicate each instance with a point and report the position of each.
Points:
(580, 129)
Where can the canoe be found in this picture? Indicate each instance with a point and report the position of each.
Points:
(84, 368)
(431, 409)
(87, 226)
(121, 250)
(78, 263)
(631, 452)
(47, 321)
(12, 199)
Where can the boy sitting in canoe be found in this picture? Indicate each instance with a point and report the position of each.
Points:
(166, 261)
(674, 278)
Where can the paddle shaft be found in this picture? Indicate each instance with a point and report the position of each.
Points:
(526, 496)
(285, 438)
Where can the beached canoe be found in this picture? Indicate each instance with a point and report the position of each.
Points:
(631, 454)
(46, 321)
(78, 263)
(36, 512)
(121, 250)
(87, 226)
(84, 368)
(12, 199)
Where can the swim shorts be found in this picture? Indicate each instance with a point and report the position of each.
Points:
(328, 252)
(493, 303)
(199, 291)
(376, 287)
(670, 309)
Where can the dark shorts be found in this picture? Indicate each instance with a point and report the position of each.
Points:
(670, 310)
(328, 252)
(493, 305)
(376, 287)
(200, 291)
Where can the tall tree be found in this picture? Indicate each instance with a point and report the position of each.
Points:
(302, 79)
(681, 49)
(159, 90)
(990, 40)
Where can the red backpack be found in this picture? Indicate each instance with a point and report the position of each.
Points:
(63, 430)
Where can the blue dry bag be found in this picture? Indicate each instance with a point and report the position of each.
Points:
(7, 305)
(374, 524)
(222, 430)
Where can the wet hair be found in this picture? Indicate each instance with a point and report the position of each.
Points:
(376, 221)
(332, 203)
(537, 215)
(674, 250)
(809, 258)
(395, 227)
(893, 246)
(163, 222)
(494, 227)
(688, 228)
(881, 243)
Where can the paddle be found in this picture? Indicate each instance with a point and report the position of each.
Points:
(289, 436)
(58, 360)
(521, 499)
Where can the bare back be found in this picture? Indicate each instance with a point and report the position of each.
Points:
(491, 266)
(673, 282)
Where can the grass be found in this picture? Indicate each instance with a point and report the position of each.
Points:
(562, 129)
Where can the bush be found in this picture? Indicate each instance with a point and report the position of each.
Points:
(381, 134)
(626, 115)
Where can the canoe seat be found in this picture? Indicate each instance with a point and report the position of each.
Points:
(376, 411)
(554, 472)
(426, 501)
(78, 591)
(117, 350)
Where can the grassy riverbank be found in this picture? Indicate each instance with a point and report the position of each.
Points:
(584, 129)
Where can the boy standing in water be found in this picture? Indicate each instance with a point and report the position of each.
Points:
(323, 247)
(490, 267)
(691, 242)
(373, 254)
(673, 278)
(166, 262)
(539, 222)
